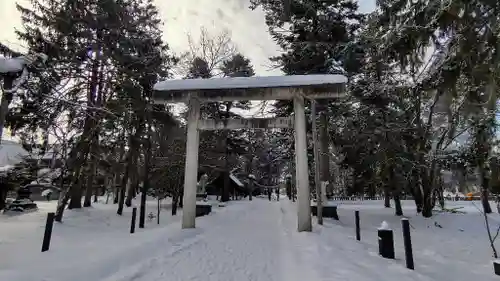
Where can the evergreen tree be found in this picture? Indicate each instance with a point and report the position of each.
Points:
(314, 36)
(460, 78)
(105, 50)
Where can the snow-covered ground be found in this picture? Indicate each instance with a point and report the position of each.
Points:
(446, 247)
(245, 240)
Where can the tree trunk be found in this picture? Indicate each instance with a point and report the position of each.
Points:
(181, 198)
(121, 198)
(145, 182)
(93, 99)
(396, 191)
(92, 170)
(325, 152)
(118, 171)
(89, 190)
(485, 183)
(462, 180)
(227, 181)
(116, 193)
(3, 196)
(387, 196)
(225, 188)
(133, 188)
(134, 146)
(427, 194)
(397, 204)
(61, 205)
(131, 157)
(76, 195)
(427, 205)
(417, 197)
(158, 209)
(175, 202)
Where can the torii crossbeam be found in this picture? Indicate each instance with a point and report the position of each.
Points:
(294, 87)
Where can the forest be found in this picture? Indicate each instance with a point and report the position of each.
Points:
(421, 100)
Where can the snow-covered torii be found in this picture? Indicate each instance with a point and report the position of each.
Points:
(294, 87)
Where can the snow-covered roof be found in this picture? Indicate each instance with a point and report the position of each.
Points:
(11, 65)
(11, 153)
(250, 82)
(17, 64)
(250, 88)
(6, 168)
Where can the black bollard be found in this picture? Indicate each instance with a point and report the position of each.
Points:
(158, 213)
(386, 243)
(48, 232)
(407, 241)
(358, 230)
(496, 267)
(132, 223)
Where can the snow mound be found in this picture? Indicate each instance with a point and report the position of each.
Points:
(384, 226)
(11, 65)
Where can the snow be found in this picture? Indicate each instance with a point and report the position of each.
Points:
(236, 180)
(384, 226)
(11, 65)
(246, 240)
(11, 153)
(6, 168)
(46, 192)
(249, 82)
(43, 172)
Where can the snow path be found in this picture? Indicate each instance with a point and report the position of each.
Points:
(262, 244)
(250, 246)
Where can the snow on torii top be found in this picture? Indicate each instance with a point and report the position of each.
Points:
(250, 88)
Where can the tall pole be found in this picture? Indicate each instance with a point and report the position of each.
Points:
(147, 163)
(302, 171)
(191, 169)
(317, 184)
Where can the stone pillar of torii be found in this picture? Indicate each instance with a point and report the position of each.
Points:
(298, 88)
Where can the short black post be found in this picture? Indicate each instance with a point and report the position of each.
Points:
(358, 230)
(158, 213)
(407, 241)
(132, 223)
(496, 267)
(48, 232)
(386, 243)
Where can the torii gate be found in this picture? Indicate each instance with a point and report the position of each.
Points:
(295, 87)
